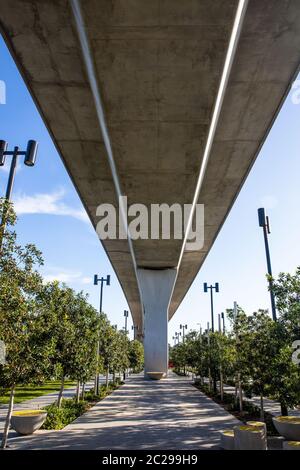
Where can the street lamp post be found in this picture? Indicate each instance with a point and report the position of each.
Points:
(126, 319)
(29, 160)
(183, 328)
(219, 322)
(209, 369)
(263, 221)
(102, 280)
(223, 322)
(211, 287)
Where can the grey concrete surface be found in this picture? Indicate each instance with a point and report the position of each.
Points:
(142, 414)
(158, 66)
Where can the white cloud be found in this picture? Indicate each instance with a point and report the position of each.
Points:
(47, 203)
(67, 276)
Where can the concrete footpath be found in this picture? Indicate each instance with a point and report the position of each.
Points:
(142, 414)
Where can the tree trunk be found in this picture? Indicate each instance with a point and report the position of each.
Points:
(284, 409)
(236, 392)
(215, 384)
(106, 379)
(240, 393)
(262, 415)
(209, 379)
(8, 417)
(61, 391)
(221, 385)
(77, 391)
(82, 391)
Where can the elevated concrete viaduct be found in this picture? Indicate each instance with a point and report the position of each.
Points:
(164, 101)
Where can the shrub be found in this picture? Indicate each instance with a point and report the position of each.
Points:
(58, 418)
(91, 397)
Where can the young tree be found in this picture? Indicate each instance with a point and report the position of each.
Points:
(21, 329)
(287, 293)
(58, 302)
(225, 357)
(107, 343)
(136, 356)
(261, 351)
(85, 322)
(285, 383)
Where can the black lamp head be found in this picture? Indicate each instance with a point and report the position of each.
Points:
(205, 287)
(95, 280)
(217, 286)
(3, 148)
(30, 154)
(108, 280)
(261, 217)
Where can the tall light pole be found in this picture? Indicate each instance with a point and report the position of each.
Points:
(219, 322)
(29, 160)
(208, 344)
(126, 319)
(263, 221)
(223, 322)
(183, 328)
(100, 280)
(206, 288)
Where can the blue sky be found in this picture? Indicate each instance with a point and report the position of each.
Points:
(73, 253)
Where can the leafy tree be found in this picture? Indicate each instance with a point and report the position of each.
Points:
(285, 382)
(21, 329)
(287, 293)
(136, 356)
(107, 344)
(58, 303)
(85, 323)
(178, 356)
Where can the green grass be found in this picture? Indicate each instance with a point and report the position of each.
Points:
(28, 392)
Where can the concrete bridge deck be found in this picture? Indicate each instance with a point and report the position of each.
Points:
(143, 415)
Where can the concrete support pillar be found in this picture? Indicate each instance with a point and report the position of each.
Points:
(156, 288)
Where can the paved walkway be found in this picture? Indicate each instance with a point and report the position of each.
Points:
(142, 414)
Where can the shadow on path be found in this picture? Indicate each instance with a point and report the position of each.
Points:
(142, 414)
